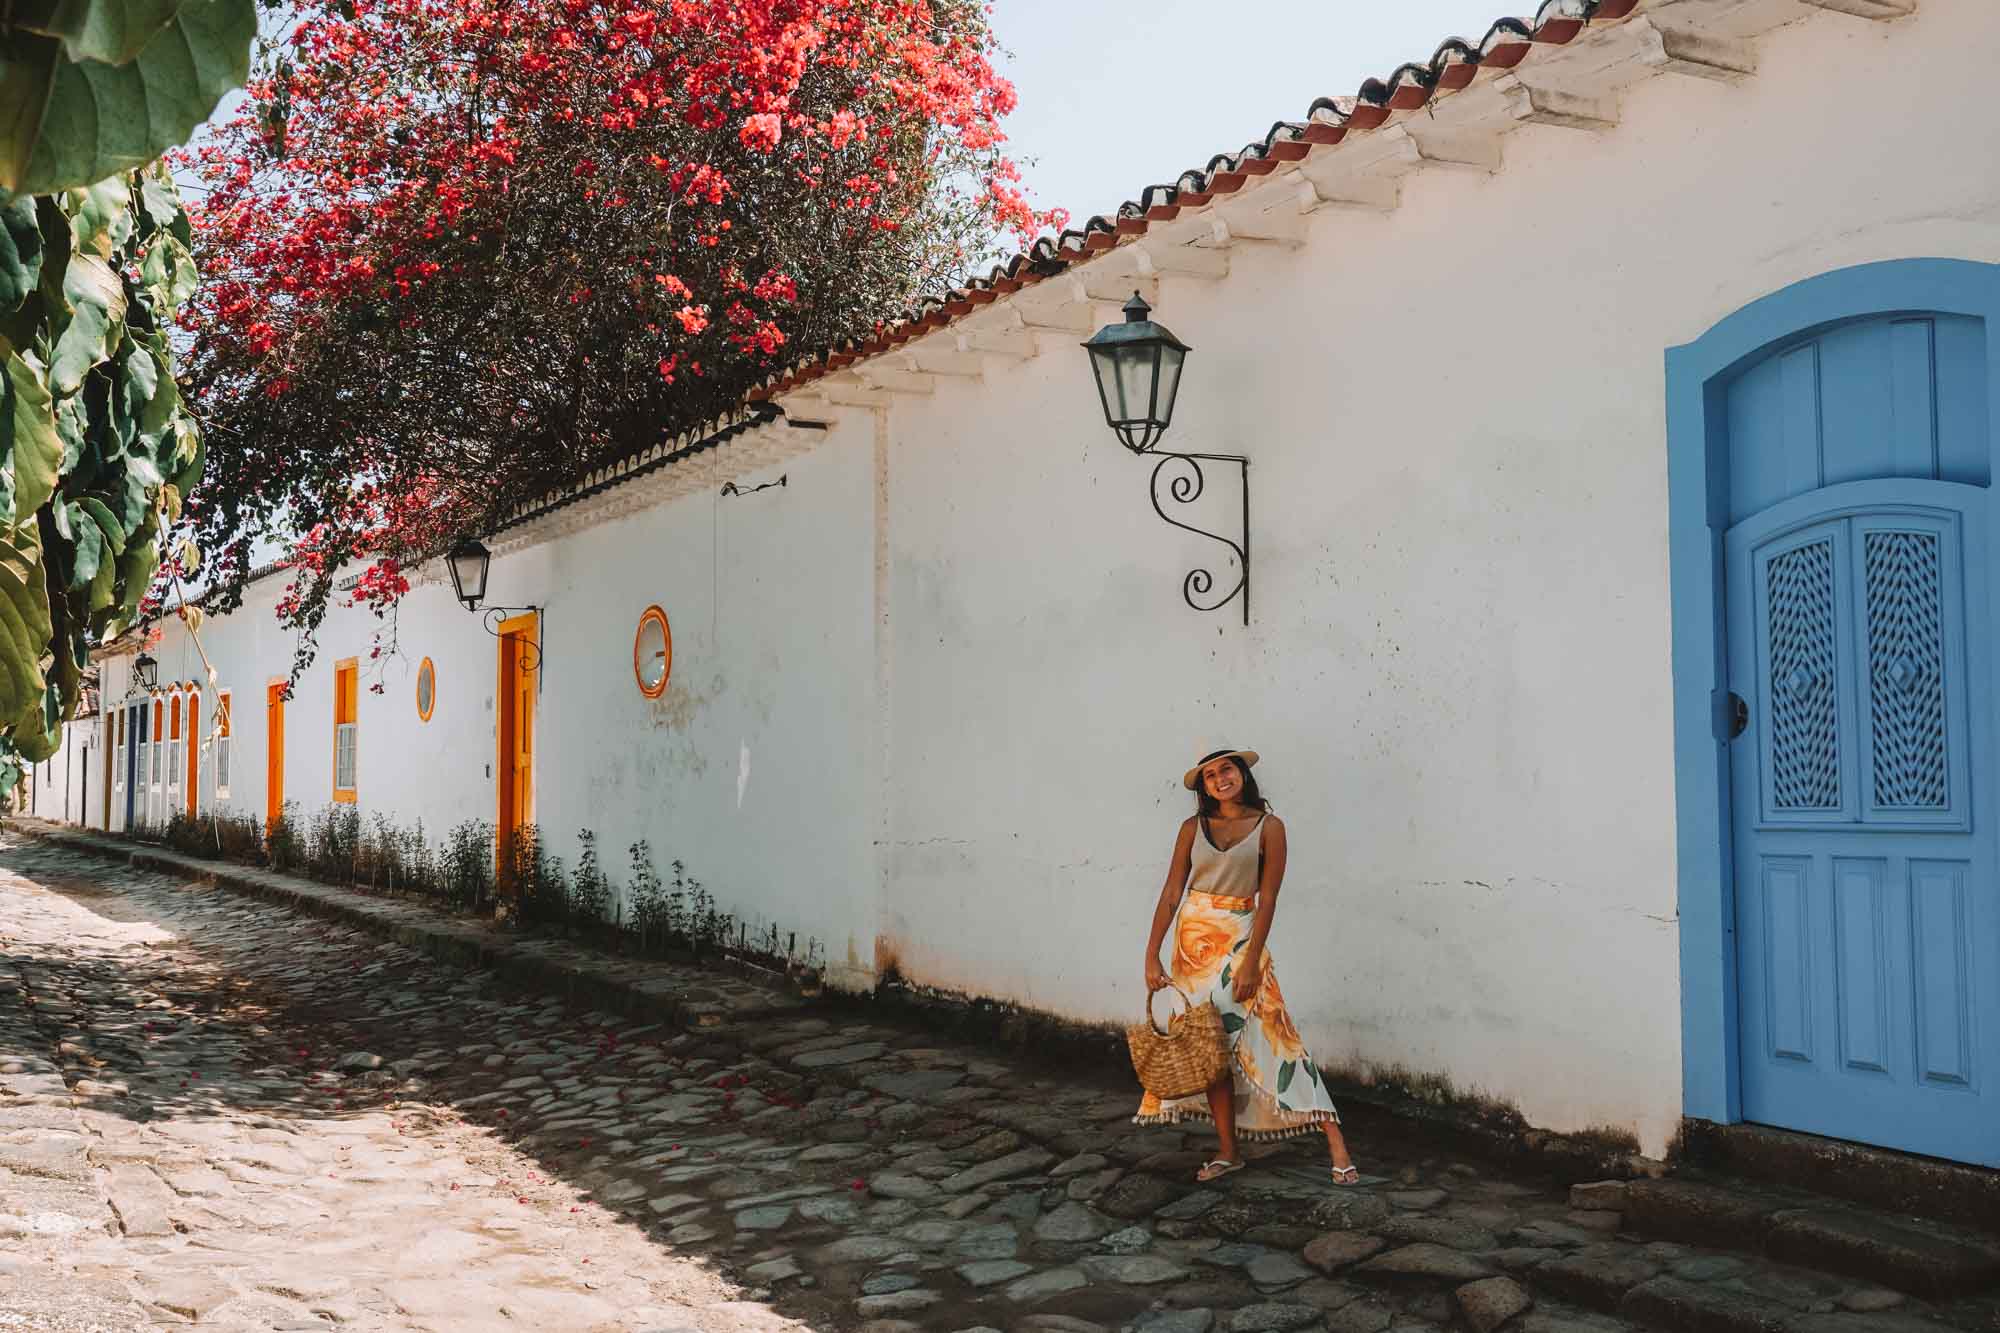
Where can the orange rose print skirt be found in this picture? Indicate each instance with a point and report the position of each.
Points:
(1279, 1091)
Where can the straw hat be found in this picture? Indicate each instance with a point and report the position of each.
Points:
(1193, 775)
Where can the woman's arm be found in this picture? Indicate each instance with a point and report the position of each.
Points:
(1250, 967)
(1170, 900)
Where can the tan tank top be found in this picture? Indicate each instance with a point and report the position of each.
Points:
(1230, 874)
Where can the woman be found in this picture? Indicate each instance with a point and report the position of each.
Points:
(1230, 858)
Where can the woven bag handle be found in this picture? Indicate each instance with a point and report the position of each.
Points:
(1186, 999)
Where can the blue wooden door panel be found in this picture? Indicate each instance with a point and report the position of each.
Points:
(1788, 958)
(1899, 396)
(1959, 380)
(1942, 930)
(1861, 962)
(1868, 935)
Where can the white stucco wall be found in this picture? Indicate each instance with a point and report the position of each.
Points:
(768, 598)
(1458, 665)
(966, 761)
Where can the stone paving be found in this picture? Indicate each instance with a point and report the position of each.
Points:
(219, 1112)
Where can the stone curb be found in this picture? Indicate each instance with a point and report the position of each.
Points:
(545, 964)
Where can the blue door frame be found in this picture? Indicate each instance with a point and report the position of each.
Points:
(1698, 515)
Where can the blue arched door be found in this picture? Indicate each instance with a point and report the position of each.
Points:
(1835, 734)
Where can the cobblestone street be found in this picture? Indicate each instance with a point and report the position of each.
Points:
(214, 1111)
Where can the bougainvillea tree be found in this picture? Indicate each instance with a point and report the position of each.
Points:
(96, 447)
(460, 250)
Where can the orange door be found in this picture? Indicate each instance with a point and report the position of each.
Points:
(194, 755)
(274, 761)
(520, 654)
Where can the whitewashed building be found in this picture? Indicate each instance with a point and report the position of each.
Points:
(1616, 395)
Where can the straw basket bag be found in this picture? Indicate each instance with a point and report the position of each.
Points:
(1186, 1057)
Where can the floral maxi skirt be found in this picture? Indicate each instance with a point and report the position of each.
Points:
(1279, 1091)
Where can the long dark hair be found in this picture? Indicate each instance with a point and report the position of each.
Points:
(1206, 805)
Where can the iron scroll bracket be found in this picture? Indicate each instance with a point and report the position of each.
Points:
(531, 650)
(1186, 488)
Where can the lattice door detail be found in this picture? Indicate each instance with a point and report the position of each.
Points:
(1805, 702)
(1905, 594)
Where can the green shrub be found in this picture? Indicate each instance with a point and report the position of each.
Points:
(284, 842)
(589, 890)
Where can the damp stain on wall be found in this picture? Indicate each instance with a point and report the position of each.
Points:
(678, 704)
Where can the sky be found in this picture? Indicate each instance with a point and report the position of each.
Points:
(1117, 95)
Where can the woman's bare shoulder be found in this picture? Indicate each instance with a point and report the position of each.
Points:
(1274, 824)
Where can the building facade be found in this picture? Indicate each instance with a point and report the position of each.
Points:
(1616, 395)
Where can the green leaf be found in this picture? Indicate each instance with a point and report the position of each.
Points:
(1232, 1022)
(100, 216)
(24, 624)
(65, 122)
(137, 565)
(111, 31)
(28, 63)
(194, 450)
(165, 399)
(90, 546)
(169, 270)
(1225, 973)
(142, 372)
(113, 530)
(1285, 1072)
(73, 429)
(97, 317)
(142, 480)
(36, 734)
(20, 252)
(103, 589)
(161, 200)
(28, 432)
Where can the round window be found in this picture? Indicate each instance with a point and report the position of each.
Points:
(653, 653)
(426, 690)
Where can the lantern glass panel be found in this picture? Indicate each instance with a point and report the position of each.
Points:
(1103, 365)
(1171, 359)
(1136, 366)
(468, 572)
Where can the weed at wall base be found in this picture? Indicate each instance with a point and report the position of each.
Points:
(466, 872)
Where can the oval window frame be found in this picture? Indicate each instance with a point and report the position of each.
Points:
(650, 614)
(423, 713)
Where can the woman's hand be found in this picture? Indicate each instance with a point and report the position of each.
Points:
(1156, 976)
(1249, 975)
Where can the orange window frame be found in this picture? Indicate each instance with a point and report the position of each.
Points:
(346, 676)
(193, 751)
(426, 671)
(222, 710)
(648, 616)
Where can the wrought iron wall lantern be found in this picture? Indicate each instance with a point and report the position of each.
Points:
(145, 671)
(1138, 368)
(468, 562)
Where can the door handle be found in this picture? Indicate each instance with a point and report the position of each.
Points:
(1739, 715)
